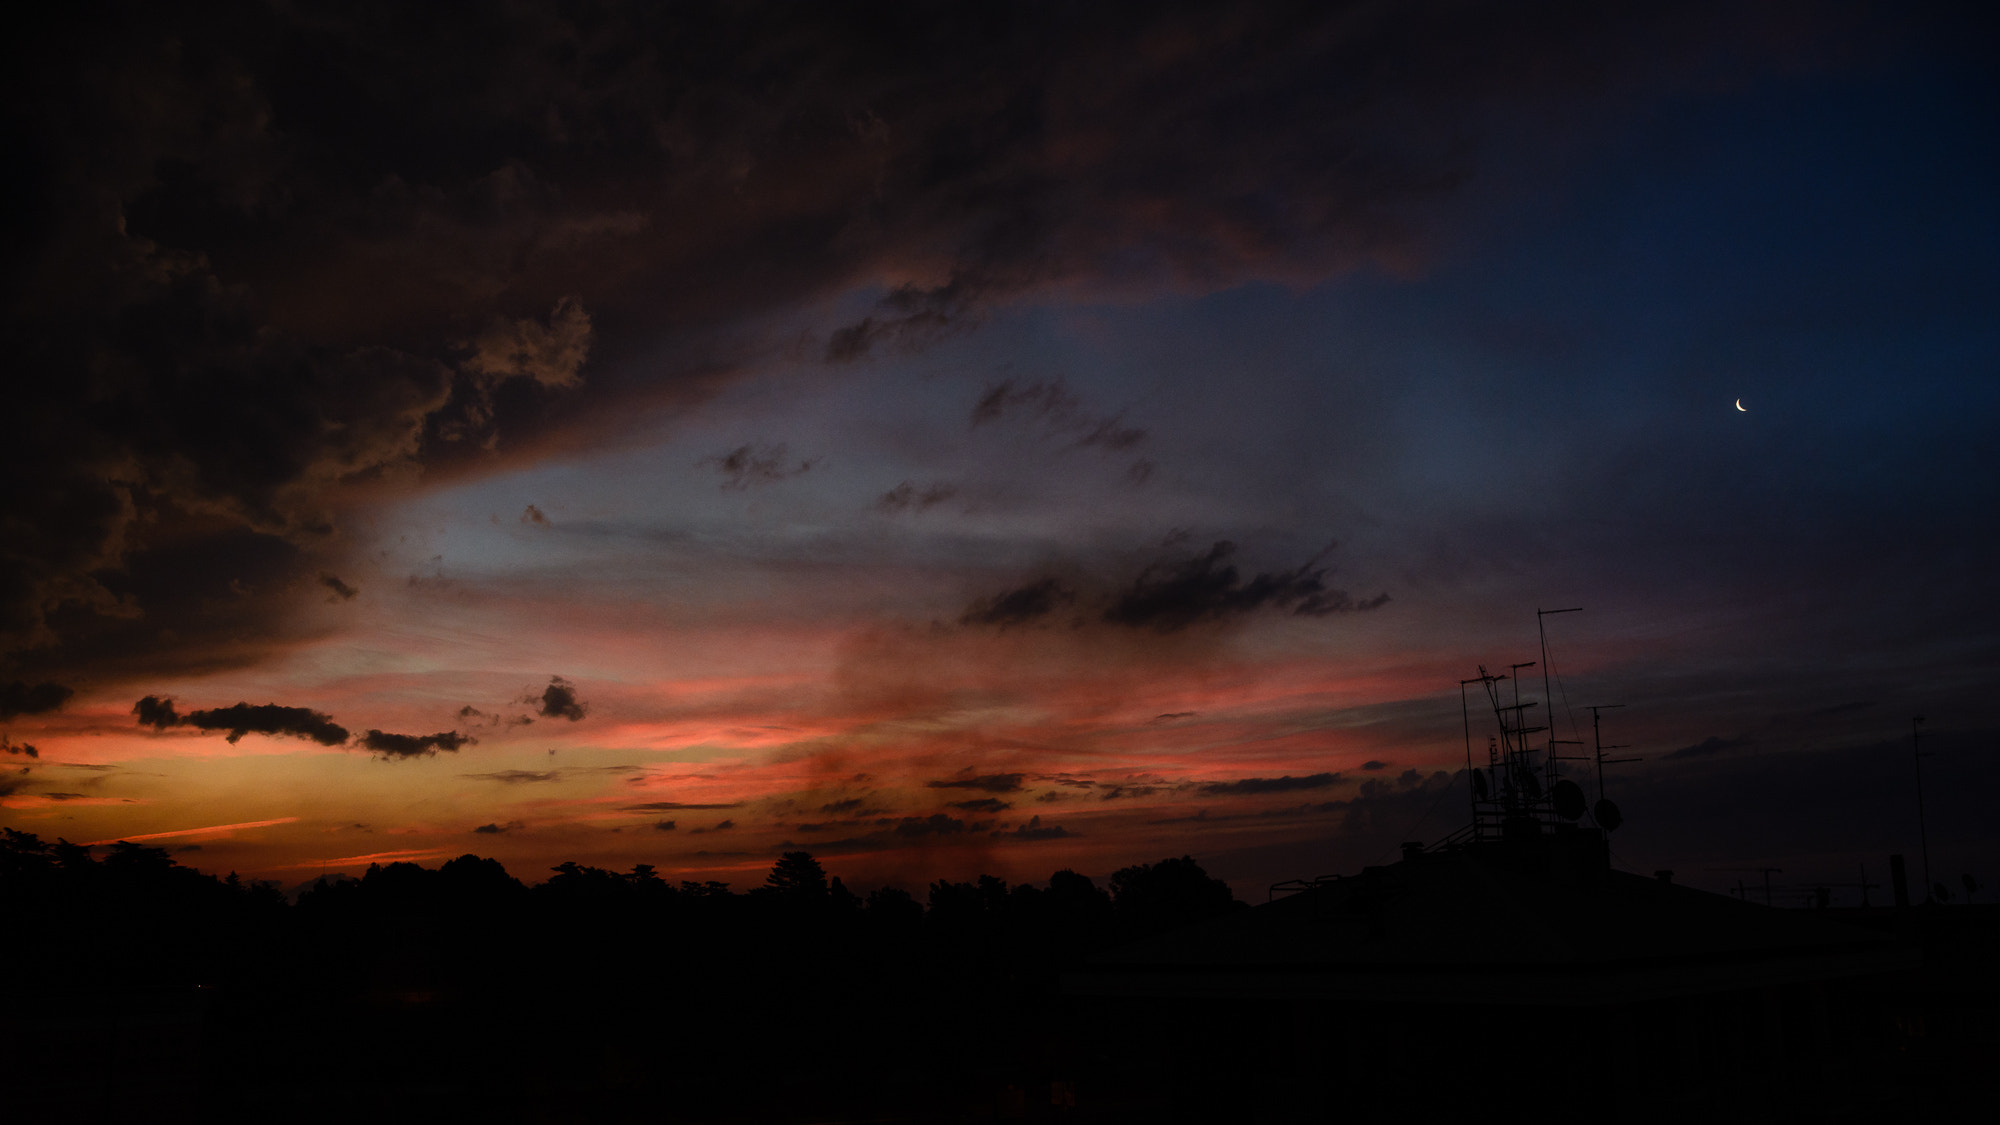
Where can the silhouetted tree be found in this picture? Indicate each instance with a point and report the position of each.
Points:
(894, 906)
(797, 874)
(844, 900)
(1153, 897)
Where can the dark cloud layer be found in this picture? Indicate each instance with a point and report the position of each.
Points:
(18, 698)
(275, 720)
(261, 254)
(985, 783)
(1248, 786)
(414, 745)
(1018, 606)
(1036, 830)
(1059, 411)
(748, 466)
(518, 777)
(1174, 595)
(1711, 746)
(244, 718)
(341, 591)
(907, 497)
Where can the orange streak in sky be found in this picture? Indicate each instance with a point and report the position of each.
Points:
(406, 853)
(194, 831)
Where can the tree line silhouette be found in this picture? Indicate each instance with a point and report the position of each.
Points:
(462, 986)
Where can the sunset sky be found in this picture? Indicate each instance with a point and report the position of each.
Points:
(959, 440)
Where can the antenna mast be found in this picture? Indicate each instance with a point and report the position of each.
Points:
(1549, 766)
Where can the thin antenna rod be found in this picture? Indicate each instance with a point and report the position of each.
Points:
(1542, 631)
(1923, 834)
(1471, 790)
(1597, 737)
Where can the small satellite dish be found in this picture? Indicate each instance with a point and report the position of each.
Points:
(1607, 814)
(1568, 798)
(1479, 785)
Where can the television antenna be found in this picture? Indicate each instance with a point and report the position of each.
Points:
(1767, 872)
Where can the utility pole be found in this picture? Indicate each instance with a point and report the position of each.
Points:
(1923, 834)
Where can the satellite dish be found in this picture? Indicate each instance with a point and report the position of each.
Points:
(1607, 814)
(1568, 798)
(1479, 785)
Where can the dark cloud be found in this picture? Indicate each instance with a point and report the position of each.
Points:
(338, 245)
(1173, 716)
(155, 711)
(1057, 410)
(673, 806)
(1035, 830)
(414, 745)
(748, 466)
(719, 826)
(1120, 792)
(533, 515)
(471, 714)
(663, 826)
(243, 718)
(489, 830)
(1019, 606)
(937, 824)
(1372, 764)
(1200, 817)
(980, 805)
(844, 805)
(64, 796)
(12, 747)
(1038, 399)
(1066, 780)
(1174, 595)
(559, 701)
(18, 698)
(1375, 788)
(517, 777)
(1711, 746)
(985, 783)
(1253, 785)
(1307, 809)
(907, 497)
(341, 591)
(913, 317)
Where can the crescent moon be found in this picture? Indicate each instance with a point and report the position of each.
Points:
(1739, 406)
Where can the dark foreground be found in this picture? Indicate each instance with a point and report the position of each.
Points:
(144, 991)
